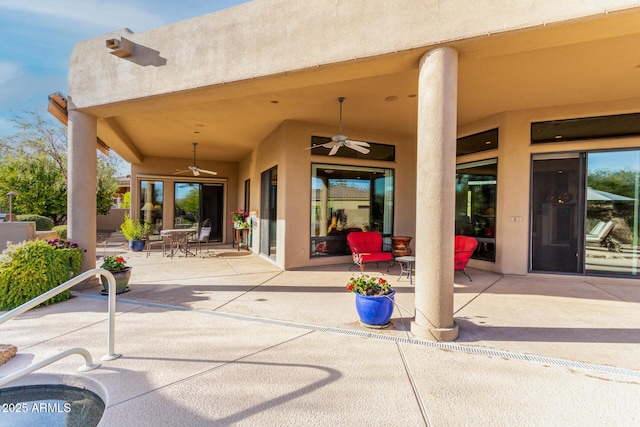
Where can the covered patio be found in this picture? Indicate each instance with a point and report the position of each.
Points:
(254, 85)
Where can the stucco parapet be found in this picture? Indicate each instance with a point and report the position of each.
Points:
(271, 37)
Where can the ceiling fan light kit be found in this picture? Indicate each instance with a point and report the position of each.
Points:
(194, 169)
(341, 140)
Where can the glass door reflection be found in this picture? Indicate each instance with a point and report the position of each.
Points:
(612, 213)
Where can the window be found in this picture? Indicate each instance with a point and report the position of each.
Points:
(346, 199)
(477, 142)
(616, 126)
(151, 200)
(187, 205)
(476, 185)
(247, 195)
(269, 212)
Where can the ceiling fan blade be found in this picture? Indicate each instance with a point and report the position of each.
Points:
(179, 171)
(329, 144)
(334, 150)
(359, 143)
(196, 171)
(209, 172)
(359, 149)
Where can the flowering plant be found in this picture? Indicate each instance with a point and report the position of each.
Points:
(62, 244)
(114, 263)
(238, 218)
(71, 251)
(239, 215)
(367, 285)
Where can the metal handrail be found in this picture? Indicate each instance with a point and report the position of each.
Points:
(88, 364)
(53, 292)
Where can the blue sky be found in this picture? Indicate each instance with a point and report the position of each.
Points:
(37, 37)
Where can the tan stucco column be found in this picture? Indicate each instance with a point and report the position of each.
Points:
(435, 198)
(81, 186)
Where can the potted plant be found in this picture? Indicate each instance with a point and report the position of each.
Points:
(374, 300)
(239, 218)
(116, 265)
(135, 232)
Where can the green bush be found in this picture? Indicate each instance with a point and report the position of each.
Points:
(126, 200)
(43, 223)
(32, 268)
(61, 230)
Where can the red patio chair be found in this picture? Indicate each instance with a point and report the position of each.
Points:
(463, 249)
(366, 246)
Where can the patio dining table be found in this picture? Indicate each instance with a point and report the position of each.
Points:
(179, 240)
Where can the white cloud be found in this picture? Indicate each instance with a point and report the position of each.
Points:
(9, 71)
(95, 13)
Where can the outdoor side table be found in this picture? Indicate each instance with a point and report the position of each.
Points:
(241, 238)
(406, 267)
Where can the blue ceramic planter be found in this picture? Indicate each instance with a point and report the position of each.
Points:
(375, 311)
(136, 245)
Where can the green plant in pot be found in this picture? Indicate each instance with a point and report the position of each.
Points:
(117, 266)
(135, 232)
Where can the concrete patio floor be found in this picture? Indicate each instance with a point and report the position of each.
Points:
(226, 338)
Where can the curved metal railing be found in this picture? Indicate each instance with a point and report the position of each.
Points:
(89, 365)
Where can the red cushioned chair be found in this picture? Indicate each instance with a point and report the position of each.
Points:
(366, 246)
(463, 249)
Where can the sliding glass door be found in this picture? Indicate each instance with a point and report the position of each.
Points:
(197, 204)
(585, 213)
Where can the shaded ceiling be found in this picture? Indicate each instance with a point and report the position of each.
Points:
(591, 60)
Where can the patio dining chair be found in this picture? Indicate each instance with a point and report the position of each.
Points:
(203, 238)
(163, 242)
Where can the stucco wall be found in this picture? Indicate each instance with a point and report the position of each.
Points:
(112, 220)
(241, 43)
(16, 232)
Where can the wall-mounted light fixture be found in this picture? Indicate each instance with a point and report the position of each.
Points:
(120, 47)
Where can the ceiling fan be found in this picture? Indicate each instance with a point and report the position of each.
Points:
(341, 140)
(195, 169)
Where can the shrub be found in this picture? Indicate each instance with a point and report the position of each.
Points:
(32, 268)
(61, 230)
(126, 200)
(43, 223)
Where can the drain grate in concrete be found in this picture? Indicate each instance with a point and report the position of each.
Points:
(407, 340)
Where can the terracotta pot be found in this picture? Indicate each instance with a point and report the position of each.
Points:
(400, 246)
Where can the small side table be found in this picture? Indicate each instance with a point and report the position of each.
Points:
(241, 238)
(406, 266)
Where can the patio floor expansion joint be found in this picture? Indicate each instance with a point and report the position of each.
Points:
(481, 351)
